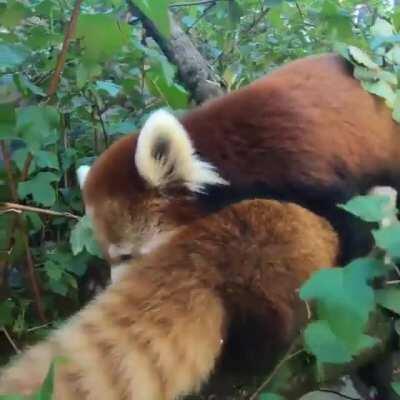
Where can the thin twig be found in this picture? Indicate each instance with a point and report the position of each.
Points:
(256, 20)
(299, 10)
(289, 355)
(55, 80)
(10, 340)
(191, 3)
(202, 15)
(18, 208)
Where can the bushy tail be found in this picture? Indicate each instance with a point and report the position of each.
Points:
(156, 335)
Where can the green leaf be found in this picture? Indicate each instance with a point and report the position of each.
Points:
(396, 387)
(393, 55)
(12, 55)
(40, 188)
(7, 121)
(344, 298)
(389, 298)
(109, 87)
(382, 27)
(234, 12)
(46, 390)
(362, 58)
(370, 208)
(324, 344)
(157, 11)
(38, 125)
(27, 87)
(82, 237)
(388, 239)
(272, 3)
(271, 396)
(159, 79)
(46, 159)
(382, 89)
(13, 14)
(102, 35)
(396, 107)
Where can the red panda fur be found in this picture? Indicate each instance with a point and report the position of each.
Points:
(306, 132)
(158, 333)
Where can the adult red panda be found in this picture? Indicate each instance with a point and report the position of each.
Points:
(158, 333)
(306, 133)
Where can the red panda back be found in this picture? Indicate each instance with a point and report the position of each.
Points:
(306, 133)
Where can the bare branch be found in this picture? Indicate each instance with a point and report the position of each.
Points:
(18, 208)
(10, 340)
(55, 80)
(194, 71)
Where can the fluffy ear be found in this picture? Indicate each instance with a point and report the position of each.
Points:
(165, 154)
(82, 173)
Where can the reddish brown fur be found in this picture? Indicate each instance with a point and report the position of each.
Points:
(157, 333)
(308, 124)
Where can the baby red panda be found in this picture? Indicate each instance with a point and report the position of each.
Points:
(158, 333)
(306, 133)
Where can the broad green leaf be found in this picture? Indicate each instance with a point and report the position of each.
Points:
(12, 55)
(157, 11)
(38, 125)
(388, 239)
(382, 89)
(362, 58)
(14, 13)
(46, 159)
(7, 121)
(271, 396)
(382, 28)
(389, 298)
(27, 87)
(46, 390)
(338, 22)
(40, 188)
(109, 87)
(102, 35)
(371, 208)
(324, 344)
(344, 298)
(393, 55)
(160, 82)
(234, 12)
(396, 387)
(396, 107)
(82, 237)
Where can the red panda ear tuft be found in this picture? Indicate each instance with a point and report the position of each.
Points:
(82, 173)
(165, 155)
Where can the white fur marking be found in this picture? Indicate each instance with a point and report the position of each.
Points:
(82, 173)
(181, 158)
(117, 250)
(391, 194)
(118, 271)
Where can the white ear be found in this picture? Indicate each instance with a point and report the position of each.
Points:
(82, 173)
(165, 154)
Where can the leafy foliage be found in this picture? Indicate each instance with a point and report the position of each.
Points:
(113, 76)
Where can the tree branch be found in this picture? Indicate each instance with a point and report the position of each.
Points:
(18, 208)
(55, 80)
(194, 71)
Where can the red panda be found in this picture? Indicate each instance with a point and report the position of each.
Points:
(306, 133)
(158, 333)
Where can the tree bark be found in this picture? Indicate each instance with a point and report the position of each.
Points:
(194, 71)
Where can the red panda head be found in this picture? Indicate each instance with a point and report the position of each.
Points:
(142, 188)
